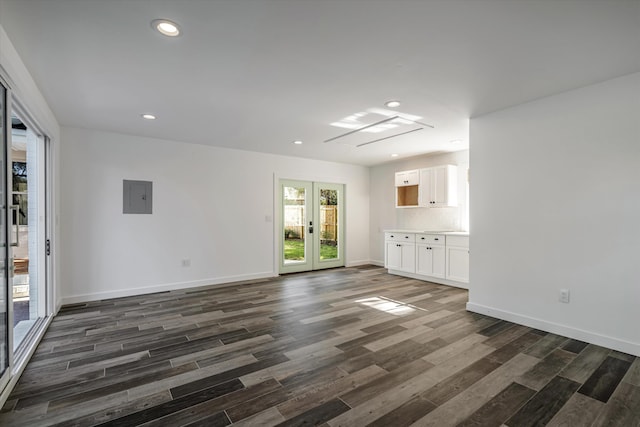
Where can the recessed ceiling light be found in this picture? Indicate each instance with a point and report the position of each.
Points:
(148, 116)
(297, 142)
(166, 27)
(456, 141)
(394, 155)
(392, 104)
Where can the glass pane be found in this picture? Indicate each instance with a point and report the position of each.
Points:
(4, 280)
(328, 224)
(25, 221)
(295, 219)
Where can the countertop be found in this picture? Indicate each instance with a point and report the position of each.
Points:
(447, 233)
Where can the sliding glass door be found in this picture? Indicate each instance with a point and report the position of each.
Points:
(27, 234)
(24, 250)
(311, 226)
(5, 331)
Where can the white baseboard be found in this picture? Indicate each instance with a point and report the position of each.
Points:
(556, 328)
(431, 279)
(378, 263)
(74, 299)
(358, 263)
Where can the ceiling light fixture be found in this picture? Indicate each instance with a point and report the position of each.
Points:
(297, 142)
(456, 141)
(392, 104)
(148, 116)
(394, 155)
(166, 27)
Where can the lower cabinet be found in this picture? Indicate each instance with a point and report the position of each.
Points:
(458, 258)
(400, 252)
(429, 256)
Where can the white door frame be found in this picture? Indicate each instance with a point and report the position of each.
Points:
(312, 243)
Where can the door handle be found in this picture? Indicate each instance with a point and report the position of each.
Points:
(16, 208)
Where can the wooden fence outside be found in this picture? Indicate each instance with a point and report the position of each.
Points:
(294, 225)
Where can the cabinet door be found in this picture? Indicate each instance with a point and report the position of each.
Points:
(424, 260)
(407, 178)
(430, 260)
(439, 186)
(438, 255)
(408, 258)
(400, 256)
(393, 259)
(458, 264)
(424, 197)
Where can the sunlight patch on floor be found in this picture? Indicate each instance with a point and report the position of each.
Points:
(397, 308)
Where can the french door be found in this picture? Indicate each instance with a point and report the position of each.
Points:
(311, 226)
(5, 327)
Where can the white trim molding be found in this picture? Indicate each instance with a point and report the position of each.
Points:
(557, 328)
(75, 299)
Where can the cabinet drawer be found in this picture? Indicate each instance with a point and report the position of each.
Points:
(462, 241)
(432, 239)
(400, 237)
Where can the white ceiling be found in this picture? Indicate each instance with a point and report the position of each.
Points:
(256, 75)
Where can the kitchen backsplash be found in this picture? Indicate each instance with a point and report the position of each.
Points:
(440, 219)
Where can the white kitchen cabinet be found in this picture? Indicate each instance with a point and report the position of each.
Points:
(439, 257)
(405, 178)
(457, 257)
(400, 252)
(407, 191)
(438, 186)
(430, 255)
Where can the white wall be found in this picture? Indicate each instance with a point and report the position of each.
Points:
(384, 214)
(555, 203)
(209, 205)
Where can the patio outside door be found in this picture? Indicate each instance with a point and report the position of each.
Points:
(311, 226)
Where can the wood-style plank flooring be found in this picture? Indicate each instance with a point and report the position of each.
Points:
(343, 347)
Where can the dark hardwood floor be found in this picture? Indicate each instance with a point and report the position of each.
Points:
(343, 347)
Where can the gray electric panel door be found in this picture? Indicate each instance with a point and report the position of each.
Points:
(137, 197)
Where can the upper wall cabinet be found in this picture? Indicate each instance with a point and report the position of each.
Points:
(438, 186)
(407, 178)
(407, 192)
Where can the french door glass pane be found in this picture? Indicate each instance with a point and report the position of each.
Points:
(328, 224)
(4, 279)
(26, 229)
(295, 218)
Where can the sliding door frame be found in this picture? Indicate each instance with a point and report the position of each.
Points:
(6, 218)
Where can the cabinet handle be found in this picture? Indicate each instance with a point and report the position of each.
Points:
(436, 239)
(393, 235)
(406, 237)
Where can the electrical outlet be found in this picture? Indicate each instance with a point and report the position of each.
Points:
(186, 262)
(564, 296)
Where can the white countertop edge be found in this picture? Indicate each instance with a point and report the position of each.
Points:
(447, 233)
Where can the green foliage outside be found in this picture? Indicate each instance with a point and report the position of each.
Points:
(294, 250)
